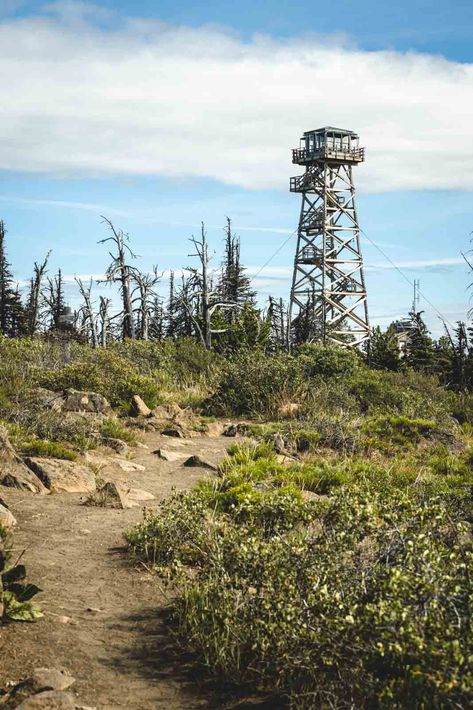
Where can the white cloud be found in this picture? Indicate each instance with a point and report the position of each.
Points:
(145, 98)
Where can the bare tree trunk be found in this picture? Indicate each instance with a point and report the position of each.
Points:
(88, 310)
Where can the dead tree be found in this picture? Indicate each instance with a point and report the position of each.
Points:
(34, 300)
(86, 313)
(120, 272)
(104, 320)
(202, 300)
(143, 299)
(279, 325)
(53, 297)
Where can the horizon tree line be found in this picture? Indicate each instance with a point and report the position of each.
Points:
(216, 306)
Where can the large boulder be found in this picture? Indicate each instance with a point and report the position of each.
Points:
(61, 476)
(13, 472)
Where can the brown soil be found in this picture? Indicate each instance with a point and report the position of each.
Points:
(115, 642)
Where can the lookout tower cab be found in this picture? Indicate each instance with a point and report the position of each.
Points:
(328, 144)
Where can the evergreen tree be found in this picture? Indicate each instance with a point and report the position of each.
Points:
(171, 309)
(384, 349)
(11, 308)
(421, 352)
(234, 285)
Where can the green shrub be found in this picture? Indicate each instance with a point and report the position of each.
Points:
(110, 375)
(115, 429)
(367, 604)
(328, 360)
(51, 449)
(397, 431)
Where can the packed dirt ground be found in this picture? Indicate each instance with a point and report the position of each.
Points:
(101, 613)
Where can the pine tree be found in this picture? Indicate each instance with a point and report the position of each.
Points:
(421, 354)
(234, 286)
(11, 309)
(384, 349)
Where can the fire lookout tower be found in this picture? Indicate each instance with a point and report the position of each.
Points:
(328, 294)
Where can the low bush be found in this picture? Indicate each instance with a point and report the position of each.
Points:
(359, 600)
(51, 449)
(115, 429)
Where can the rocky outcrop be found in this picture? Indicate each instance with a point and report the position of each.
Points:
(61, 476)
(71, 400)
(13, 472)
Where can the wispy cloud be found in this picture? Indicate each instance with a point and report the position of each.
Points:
(83, 96)
(87, 206)
(439, 265)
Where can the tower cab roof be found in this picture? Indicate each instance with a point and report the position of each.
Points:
(332, 129)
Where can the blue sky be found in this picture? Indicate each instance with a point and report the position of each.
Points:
(163, 114)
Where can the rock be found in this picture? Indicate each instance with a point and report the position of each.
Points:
(176, 431)
(289, 410)
(25, 480)
(7, 519)
(213, 429)
(50, 700)
(112, 495)
(121, 447)
(47, 399)
(76, 401)
(61, 476)
(166, 455)
(129, 466)
(139, 408)
(197, 462)
(166, 411)
(13, 472)
(51, 679)
(41, 682)
(241, 429)
(139, 494)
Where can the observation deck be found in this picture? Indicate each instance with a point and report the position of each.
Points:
(330, 144)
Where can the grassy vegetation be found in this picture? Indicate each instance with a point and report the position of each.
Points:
(358, 598)
(336, 576)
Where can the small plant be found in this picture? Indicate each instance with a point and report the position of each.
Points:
(17, 592)
(115, 429)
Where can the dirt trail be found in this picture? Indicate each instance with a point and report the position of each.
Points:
(118, 651)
